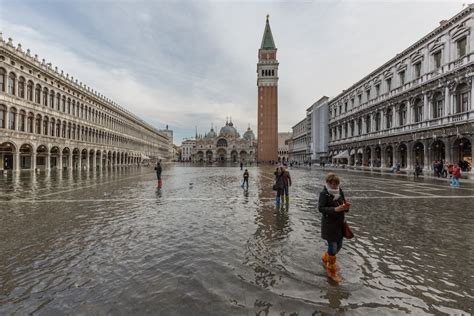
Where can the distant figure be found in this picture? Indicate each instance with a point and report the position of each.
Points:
(158, 170)
(246, 179)
(456, 175)
(241, 165)
(287, 183)
(279, 185)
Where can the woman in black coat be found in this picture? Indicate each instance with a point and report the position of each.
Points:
(332, 205)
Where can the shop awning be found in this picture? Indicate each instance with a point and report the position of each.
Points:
(342, 155)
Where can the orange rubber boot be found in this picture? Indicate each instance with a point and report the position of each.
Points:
(325, 259)
(331, 269)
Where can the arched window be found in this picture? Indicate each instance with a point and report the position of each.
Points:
(29, 91)
(22, 121)
(29, 124)
(64, 130)
(438, 105)
(52, 127)
(462, 98)
(69, 130)
(51, 99)
(222, 143)
(12, 119)
(38, 124)
(21, 87)
(58, 101)
(68, 105)
(378, 121)
(73, 107)
(64, 103)
(45, 125)
(2, 79)
(418, 107)
(38, 94)
(403, 114)
(11, 83)
(45, 96)
(3, 111)
(359, 126)
(58, 128)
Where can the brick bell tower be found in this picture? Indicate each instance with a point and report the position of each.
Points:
(267, 82)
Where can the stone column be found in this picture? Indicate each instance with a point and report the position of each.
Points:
(17, 119)
(70, 160)
(94, 160)
(33, 161)
(409, 113)
(60, 162)
(383, 121)
(447, 103)
(16, 158)
(48, 161)
(79, 161)
(383, 157)
(426, 108)
(409, 155)
(372, 156)
(426, 156)
(87, 166)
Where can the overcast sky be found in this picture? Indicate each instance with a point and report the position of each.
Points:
(188, 63)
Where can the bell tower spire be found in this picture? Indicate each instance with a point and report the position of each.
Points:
(267, 83)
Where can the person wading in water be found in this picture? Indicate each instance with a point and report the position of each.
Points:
(158, 170)
(332, 205)
(246, 179)
(287, 182)
(279, 185)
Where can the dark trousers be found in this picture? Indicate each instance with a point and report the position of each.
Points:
(246, 181)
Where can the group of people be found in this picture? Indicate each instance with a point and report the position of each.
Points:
(282, 184)
(446, 169)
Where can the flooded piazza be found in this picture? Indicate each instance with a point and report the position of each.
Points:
(112, 243)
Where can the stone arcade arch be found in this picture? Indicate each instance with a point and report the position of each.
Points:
(418, 154)
(462, 152)
(389, 156)
(221, 154)
(438, 150)
(403, 155)
(55, 154)
(42, 159)
(67, 159)
(26, 154)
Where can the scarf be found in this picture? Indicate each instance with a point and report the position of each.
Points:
(336, 192)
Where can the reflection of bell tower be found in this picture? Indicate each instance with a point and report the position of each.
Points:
(267, 82)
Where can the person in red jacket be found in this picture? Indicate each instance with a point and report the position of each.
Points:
(456, 175)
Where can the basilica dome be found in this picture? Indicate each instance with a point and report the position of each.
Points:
(229, 130)
(211, 134)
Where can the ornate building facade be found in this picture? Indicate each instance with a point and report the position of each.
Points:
(414, 109)
(227, 146)
(267, 82)
(49, 120)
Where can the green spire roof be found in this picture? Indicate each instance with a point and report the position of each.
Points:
(267, 40)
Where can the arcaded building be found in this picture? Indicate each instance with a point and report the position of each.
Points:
(267, 83)
(49, 120)
(415, 108)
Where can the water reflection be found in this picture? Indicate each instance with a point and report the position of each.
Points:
(110, 241)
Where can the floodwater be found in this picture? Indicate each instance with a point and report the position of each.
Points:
(112, 243)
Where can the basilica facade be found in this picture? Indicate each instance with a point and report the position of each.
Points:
(414, 109)
(225, 146)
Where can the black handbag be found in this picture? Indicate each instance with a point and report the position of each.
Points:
(275, 188)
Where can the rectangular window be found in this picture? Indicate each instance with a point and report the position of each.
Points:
(461, 44)
(389, 84)
(437, 59)
(368, 94)
(377, 90)
(417, 70)
(345, 107)
(402, 77)
(360, 98)
(352, 103)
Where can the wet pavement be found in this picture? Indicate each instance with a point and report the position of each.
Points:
(82, 243)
